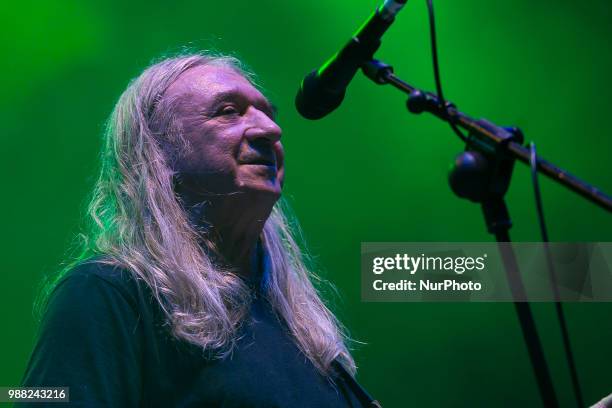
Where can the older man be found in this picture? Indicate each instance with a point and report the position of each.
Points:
(190, 289)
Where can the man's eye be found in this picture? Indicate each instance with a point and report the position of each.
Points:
(228, 110)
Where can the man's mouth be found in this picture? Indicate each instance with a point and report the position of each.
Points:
(261, 161)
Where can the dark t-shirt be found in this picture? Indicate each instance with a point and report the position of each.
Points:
(104, 336)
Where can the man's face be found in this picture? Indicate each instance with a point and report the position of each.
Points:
(233, 141)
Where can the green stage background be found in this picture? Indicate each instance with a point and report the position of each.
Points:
(369, 172)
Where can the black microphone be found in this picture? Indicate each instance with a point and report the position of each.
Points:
(323, 90)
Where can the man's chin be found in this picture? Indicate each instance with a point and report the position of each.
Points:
(259, 180)
(261, 189)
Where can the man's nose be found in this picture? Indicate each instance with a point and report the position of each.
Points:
(262, 126)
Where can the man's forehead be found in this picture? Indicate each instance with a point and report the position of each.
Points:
(208, 82)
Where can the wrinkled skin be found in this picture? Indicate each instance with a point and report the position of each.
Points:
(234, 161)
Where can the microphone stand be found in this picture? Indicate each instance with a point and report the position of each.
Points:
(482, 174)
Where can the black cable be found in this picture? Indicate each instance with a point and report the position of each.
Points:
(533, 161)
(434, 54)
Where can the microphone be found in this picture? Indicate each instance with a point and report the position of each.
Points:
(322, 91)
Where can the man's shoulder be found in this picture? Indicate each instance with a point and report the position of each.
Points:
(99, 268)
(100, 275)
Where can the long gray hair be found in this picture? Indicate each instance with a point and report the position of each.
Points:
(136, 221)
